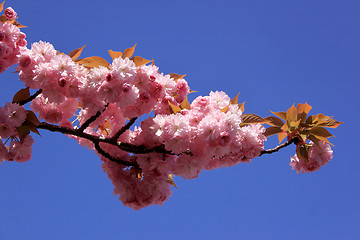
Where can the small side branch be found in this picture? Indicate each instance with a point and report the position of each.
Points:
(32, 97)
(123, 129)
(114, 159)
(276, 149)
(127, 147)
(92, 119)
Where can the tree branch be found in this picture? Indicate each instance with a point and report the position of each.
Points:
(92, 119)
(114, 159)
(32, 97)
(276, 149)
(123, 129)
(127, 147)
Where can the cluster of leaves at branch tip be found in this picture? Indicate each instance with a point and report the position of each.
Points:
(301, 127)
(4, 19)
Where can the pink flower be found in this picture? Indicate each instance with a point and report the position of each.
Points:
(15, 114)
(22, 150)
(3, 151)
(123, 69)
(135, 192)
(24, 61)
(318, 155)
(219, 99)
(168, 83)
(6, 130)
(4, 64)
(3, 49)
(10, 14)
(182, 89)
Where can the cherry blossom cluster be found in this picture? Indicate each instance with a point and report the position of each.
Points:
(11, 117)
(203, 137)
(133, 90)
(12, 41)
(318, 155)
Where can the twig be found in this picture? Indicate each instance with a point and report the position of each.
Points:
(127, 147)
(32, 97)
(92, 119)
(123, 129)
(269, 151)
(114, 159)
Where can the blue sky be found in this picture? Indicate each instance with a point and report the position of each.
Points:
(274, 53)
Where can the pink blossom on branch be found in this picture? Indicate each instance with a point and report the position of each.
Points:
(318, 155)
(97, 106)
(12, 42)
(10, 14)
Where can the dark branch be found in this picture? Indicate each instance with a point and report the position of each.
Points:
(32, 97)
(114, 159)
(123, 129)
(92, 119)
(269, 151)
(127, 147)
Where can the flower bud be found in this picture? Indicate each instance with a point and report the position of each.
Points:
(109, 77)
(62, 82)
(25, 61)
(10, 14)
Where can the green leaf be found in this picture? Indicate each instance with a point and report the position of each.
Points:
(21, 95)
(76, 53)
(272, 131)
(129, 52)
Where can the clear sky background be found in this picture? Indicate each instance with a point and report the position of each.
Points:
(274, 53)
